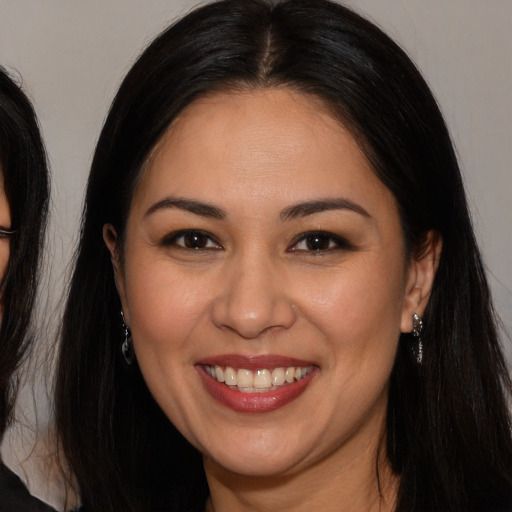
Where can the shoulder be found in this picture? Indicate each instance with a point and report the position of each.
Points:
(15, 497)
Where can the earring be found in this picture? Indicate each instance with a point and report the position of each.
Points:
(417, 328)
(127, 345)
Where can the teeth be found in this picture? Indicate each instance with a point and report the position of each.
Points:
(244, 378)
(219, 374)
(260, 380)
(230, 376)
(278, 376)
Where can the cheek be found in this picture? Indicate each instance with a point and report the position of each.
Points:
(4, 257)
(358, 313)
(166, 313)
(164, 307)
(5, 221)
(365, 297)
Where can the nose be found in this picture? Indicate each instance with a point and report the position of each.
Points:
(254, 299)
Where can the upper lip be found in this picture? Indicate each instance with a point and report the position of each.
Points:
(254, 362)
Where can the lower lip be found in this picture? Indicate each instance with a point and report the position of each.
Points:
(254, 402)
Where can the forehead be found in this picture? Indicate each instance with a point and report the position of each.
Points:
(258, 116)
(256, 144)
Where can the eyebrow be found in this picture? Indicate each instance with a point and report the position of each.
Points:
(289, 213)
(189, 205)
(321, 205)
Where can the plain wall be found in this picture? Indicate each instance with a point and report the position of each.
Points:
(72, 56)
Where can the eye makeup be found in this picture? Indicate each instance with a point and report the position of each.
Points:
(6, 232)
(191, 239)
(320, 242)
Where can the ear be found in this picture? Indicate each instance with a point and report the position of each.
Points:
(420, 278)
(110, 239)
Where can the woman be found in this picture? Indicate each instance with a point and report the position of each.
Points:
(23, 207)
(287, 309)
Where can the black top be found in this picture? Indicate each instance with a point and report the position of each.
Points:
(14, 496)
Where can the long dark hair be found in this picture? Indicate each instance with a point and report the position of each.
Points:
(448, 426)
(25, 176)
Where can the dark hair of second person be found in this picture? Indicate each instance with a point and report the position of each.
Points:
(25, 183)
(24, 194)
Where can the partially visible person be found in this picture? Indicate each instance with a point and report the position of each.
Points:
(24, 192)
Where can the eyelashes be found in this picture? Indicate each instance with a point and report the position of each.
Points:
(6, 232)
(193, 239)
(320, 242)
(313, 242)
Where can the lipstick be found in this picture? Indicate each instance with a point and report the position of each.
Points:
(250, 400)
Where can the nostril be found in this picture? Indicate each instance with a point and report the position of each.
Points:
(253, 298)
(252, 335)
(253, 319)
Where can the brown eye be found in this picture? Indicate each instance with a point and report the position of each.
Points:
(6, 232)
(191, 239)
(320, 241)
(195, 240)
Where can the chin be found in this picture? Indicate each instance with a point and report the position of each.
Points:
(257, 463)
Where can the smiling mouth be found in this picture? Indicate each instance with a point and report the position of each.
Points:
(257, 381)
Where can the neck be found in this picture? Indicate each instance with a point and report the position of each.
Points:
(360, 483)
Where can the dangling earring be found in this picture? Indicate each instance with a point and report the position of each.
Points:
(127, 345)
(417, 328)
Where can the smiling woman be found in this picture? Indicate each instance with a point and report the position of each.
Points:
(273, 283)
(287, 310)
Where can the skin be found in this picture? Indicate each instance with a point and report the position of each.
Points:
(5, 222)
(257, 288)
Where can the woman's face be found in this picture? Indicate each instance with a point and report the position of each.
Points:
(261, 250)
(5, 222)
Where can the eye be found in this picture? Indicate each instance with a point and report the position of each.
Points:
(191, 239)
(320, 241)
(6, 232)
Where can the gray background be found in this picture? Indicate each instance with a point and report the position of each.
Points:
(73, 54)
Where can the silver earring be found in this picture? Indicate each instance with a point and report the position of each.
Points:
(127, 345)
(417, 328)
